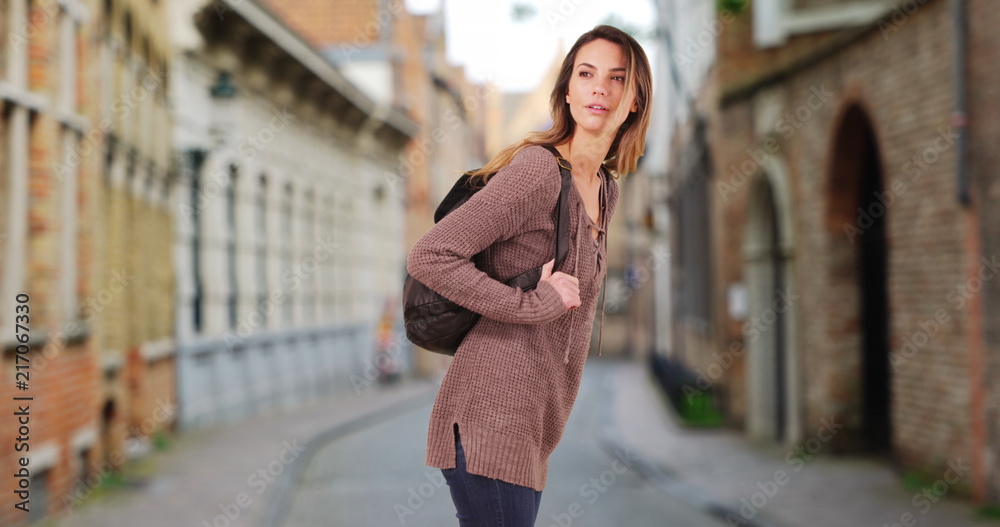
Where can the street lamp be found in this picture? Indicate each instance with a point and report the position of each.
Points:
(223, 94)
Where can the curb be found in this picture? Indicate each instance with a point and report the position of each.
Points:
(610, 441)
(278, 507)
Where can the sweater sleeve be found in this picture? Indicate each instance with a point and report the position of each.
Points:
(441, 258)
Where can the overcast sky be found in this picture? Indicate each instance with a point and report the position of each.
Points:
(483, 36)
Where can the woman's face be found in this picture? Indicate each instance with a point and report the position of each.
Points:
(596, 87)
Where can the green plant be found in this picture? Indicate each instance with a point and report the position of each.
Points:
(733, 6)
(989, 512)
(699, 410)
(913, 480)
(161, 440)
(801, 455)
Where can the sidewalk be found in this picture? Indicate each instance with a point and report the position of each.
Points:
(743, 480)
(233, 475)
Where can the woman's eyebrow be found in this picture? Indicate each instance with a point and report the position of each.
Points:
(582, 64)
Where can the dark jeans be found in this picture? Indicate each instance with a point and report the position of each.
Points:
(488, 502)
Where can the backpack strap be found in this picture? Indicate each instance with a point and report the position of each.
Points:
(562, 208)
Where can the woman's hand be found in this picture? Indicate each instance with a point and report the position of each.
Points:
(567, 285)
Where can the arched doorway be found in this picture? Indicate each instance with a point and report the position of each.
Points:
(859, 267)
(770, 328)
(109, 421)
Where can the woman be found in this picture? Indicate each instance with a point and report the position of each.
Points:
(504, 402)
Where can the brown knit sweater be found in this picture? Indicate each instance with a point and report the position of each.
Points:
(514, 379)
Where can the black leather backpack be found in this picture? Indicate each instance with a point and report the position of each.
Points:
(437, 324)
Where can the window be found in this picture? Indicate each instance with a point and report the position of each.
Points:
(231, 246)
(194, 163)
(326, 278)
(694, 238)
(261, 250)
(39, 506)
(84, 469)
(18, 127)
(128, 36)
(4, 27)
(68, 228)
(108, 17)
(66, 99)
(289, 252)
(767, 23)
(4, 191)
(309, 263)
(68, 172)
(17, 51)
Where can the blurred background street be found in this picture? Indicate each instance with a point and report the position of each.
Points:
(206, 208)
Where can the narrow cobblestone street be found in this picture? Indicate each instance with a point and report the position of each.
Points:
(359, 461)
(377, 477)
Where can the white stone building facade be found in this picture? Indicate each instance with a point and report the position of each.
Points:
(290, 235)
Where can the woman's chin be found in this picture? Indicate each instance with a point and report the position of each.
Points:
(599, 130)
(593, 126)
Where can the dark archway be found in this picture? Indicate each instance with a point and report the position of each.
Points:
(109, 413)
(859, 207)
(777, 262)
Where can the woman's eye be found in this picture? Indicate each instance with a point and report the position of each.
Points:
(619, 78)
(582, 73)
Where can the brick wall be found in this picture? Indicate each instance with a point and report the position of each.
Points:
(63, 376)
(66, 415)
(322, 22)
(902, 81)
(740, 63)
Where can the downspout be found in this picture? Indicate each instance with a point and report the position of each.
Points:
(960, 117)
(977, 384)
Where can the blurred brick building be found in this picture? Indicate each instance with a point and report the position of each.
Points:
(84, 154)
(134, 330)
(834, 247)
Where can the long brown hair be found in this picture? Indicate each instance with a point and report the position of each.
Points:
(630, 139)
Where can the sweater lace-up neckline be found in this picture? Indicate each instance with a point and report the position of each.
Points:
(601, 235)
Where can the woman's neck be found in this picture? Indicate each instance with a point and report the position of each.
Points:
(586, 152)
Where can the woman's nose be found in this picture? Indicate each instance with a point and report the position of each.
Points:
(599, 86)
